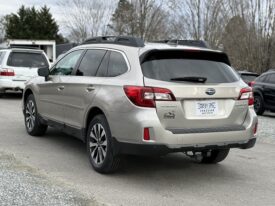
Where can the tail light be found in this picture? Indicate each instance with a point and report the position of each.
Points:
(246, 93)
(7, 72)
(251, 84)
(146, 96)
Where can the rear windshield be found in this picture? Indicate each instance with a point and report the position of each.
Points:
(24, 59)
(248, 77)
(168, 65)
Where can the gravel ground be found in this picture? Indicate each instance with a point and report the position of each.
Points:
(23, 185)
(266, 132)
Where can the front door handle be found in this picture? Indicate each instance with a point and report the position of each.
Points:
(60, 88)
(90, 88)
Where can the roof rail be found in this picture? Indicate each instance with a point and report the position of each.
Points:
(194, 43)
(121, 40)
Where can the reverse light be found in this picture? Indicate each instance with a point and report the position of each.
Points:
(246, 93)
(7, 72)
(146, 96)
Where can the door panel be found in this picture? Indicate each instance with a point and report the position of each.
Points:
(77, 97)
(51, 99)
(269, 91)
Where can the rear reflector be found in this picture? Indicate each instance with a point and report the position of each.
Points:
(146, 96)
(255, 128)
(7, 72)
(146, 134)
(246, 93)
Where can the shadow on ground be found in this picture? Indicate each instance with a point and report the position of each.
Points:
(12, 96)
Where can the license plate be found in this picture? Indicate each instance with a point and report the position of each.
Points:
(206, 108)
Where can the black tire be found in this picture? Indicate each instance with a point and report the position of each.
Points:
(258, 105)
(97, 146)
(215, 156)
(33, 124)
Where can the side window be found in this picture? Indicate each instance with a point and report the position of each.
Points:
(117, 64)
(90, 63)
(66, 65)
(102, 71)
(271, 79)
(261, 79)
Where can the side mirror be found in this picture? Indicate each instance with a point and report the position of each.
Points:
(44, 72)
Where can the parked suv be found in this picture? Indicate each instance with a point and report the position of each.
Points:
(122, 96)
(264, 92)
(18, 65)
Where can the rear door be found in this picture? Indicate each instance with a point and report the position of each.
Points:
(269, 91)
(81, 87)
(200, 106)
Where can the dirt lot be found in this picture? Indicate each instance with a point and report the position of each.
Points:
(54, 170)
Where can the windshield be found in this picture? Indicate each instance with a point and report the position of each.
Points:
(24, 59)
(186, 67)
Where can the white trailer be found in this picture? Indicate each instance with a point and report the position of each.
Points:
(48, 46)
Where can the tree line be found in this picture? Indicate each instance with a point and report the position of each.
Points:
(244, 29)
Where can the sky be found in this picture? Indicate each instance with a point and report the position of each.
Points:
(11, 6)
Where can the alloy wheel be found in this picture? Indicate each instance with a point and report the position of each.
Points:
(98, 143)
(30, 115)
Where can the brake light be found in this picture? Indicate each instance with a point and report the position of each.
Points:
(146, 96)
(7, 72)
(246, 93)
(251, 84)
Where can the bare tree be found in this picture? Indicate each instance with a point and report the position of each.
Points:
(86, 18)
(146, 19)
(201, 19)
(257, 42)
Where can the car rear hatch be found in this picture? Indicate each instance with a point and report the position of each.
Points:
(206, 90)
(24, 64)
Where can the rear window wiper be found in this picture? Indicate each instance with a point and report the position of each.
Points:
(190, 79)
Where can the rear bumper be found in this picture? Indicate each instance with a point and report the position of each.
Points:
(159, 149)
(130, 128)
(9, 84)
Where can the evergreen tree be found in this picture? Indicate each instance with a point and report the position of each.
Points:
(30, 23)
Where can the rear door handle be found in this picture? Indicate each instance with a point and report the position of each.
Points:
(60, 88)
(90, 88)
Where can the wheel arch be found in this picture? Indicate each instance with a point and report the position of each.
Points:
(259, 93)
(90, 115)
(27, 93)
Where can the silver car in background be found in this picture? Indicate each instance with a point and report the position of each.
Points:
(123, 96)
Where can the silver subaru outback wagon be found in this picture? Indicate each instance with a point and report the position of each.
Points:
(123, 96)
